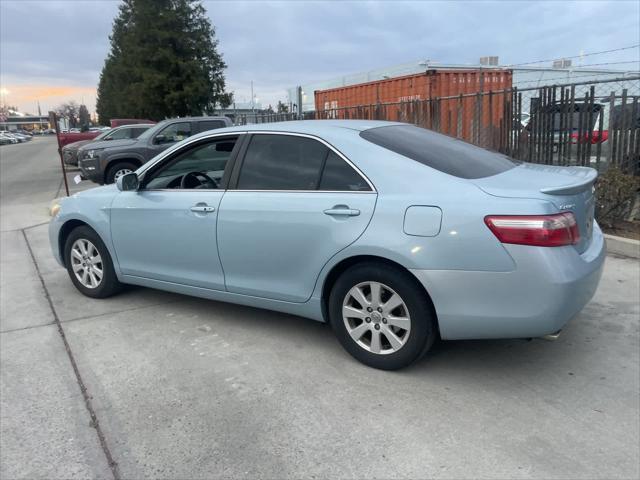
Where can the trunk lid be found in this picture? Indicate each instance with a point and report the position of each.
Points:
(570, 189)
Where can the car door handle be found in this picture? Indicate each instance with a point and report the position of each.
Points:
(342, 211)
(202, 208)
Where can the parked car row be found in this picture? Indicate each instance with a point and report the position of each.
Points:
(14, 136)
(105, 159)
(126, 132)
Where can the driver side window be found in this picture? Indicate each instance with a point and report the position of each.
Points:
(200, 167)
(173, 133)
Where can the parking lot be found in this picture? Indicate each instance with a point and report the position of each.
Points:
(179, 387)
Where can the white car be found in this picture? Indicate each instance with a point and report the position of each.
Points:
(6, 138)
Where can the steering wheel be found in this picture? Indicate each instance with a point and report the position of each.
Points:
(189, 179)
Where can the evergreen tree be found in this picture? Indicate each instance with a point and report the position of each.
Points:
(83, 117)
(163, 62)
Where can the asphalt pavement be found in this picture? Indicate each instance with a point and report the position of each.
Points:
(149, 384)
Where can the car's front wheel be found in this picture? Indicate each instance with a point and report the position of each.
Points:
(381, 316)
(118, 170)
(89, 264)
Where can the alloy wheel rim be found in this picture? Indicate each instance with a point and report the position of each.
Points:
(376, 318)
(121, 172)
(86, 263)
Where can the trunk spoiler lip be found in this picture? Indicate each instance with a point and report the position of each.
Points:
(590, 176)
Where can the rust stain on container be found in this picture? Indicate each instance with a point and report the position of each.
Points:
(458, 117)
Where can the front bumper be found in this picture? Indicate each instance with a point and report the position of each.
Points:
(90, 169)
(54, 238)
(548, 287)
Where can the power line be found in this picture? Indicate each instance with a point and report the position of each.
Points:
(600, 64)
(575, 56)
(566, 77)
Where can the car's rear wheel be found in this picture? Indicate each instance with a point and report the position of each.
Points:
(89, 264)
(118, 170)
(381, 316)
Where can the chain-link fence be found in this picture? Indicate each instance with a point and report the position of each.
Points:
(592, 123)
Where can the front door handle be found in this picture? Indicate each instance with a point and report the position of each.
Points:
(342, 211)
(202, 208)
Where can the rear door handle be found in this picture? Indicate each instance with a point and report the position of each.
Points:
(202, 208)
(342, 212)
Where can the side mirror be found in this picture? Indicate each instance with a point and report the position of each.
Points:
(128, 182)
(160, 139)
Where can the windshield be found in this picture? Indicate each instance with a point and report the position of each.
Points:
(103, 135)
(438, 151)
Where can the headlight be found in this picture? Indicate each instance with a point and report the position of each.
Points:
(54, 209)
(93, 153)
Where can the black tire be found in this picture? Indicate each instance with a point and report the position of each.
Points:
(423, 323)
(117, 166)
(109, 284)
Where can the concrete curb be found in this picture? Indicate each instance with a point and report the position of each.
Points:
(626, 247)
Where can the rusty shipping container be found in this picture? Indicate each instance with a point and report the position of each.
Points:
(389, 99)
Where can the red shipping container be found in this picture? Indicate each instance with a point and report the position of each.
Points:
(456, 117)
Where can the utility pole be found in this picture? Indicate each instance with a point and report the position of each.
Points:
(53, 118)
(252, 104)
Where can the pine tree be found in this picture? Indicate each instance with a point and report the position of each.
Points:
(83, 117)
(163, 62)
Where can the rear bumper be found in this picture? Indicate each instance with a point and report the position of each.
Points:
(548, 287)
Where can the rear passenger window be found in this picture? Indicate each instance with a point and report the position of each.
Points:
(339, 175)
(282, 162)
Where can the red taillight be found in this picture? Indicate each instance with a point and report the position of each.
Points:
(595, 137)
(599, 137)
(539, 230)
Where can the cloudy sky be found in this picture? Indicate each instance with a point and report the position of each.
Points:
(52, 51)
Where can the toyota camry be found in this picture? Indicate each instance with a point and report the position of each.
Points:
(393, 234)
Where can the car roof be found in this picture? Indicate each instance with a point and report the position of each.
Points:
(312, 127)
(192, 119)
(133, 125)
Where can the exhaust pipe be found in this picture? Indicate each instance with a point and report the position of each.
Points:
(552, 337)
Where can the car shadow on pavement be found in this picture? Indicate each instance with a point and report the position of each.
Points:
(464, 358)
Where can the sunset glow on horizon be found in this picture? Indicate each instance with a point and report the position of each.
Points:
(26, 97)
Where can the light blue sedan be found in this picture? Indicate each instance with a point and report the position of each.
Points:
(393, 234)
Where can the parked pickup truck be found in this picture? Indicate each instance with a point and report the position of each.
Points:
(104, 162)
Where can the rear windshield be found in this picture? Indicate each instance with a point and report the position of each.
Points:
(443, 153)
